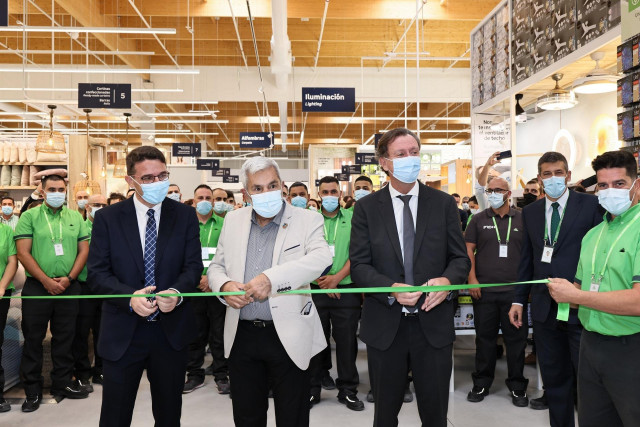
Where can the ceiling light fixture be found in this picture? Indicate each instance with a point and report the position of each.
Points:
(597, 80)
(50, 141)
(521, 115)
(101, 30)
(557, 98)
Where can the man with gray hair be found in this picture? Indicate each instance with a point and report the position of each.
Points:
(264, 250)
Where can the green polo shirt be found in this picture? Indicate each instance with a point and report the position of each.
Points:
(337, 232)
(209, 235)
(623, 270)
(33, 225)
(82, 277)
(7, 248)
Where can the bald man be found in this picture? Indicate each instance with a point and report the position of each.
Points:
(88, 318)
(82, 198)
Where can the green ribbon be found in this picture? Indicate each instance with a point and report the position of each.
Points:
(297, 291)
(563, 311)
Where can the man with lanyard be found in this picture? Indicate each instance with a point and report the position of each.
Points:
(89, 313)
(496, 261)
(8, 217)
(607, 289)
(8, 268)
(209, 311)
(52, 243)
(554, 229)
(339, 313)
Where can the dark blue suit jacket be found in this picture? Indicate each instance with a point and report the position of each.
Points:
(582, 214)
(115, 266)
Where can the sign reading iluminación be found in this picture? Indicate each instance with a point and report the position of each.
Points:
(329, 99)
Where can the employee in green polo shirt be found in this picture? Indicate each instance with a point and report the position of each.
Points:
(8, 268)
(339, 313)
(53, 244)
(209, 311)
(219, 203)
(90, 311)
(607, 289)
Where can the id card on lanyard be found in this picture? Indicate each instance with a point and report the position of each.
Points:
(504, 247)
(57, 247)
(332, 245)
(547, 251)
(208, 250)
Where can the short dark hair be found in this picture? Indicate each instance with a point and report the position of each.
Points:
(130, 190)
(536, 182)
(390, 136)
(363, 178)
(230, 195)
(175, 185)
(8, 198)
(455, 195)
(298, 184)
(327, 180)
(144, 152)
(116, 196)
(219, 189)
(553, 157)
(202, 186)
(473, 199)
(52, 178)
(617, 159)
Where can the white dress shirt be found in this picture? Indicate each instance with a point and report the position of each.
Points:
(141, 214)
(398, 209)
(562, 201)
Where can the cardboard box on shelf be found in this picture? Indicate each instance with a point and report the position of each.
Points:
(521, 46)
(636, 122)
(522, 21)
(563, 43)
(522, 70)
(542, 57)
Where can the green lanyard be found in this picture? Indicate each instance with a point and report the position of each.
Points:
(606, 261)
(53, 239)
(498, 231)
(546, 227)
(335, 231)
(210, 230)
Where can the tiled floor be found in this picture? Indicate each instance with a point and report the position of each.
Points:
(204, 407)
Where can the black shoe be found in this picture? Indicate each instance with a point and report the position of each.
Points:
(4, 405)
(73, 391)
(519, 398)
(31, 403)
(352, 402)
(408, 396)
(223, 386)
(192, 384)
(85, 385)
(477, 394)
(208, 370)
(314, 400)
(540, 403)
(327, 382)
(97, 379)
(370, 398)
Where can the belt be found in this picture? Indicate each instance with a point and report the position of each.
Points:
(258, 323)
(406, 314)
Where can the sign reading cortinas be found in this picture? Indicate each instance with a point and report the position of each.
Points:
(329, 99)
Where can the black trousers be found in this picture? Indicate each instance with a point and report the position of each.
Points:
(257, 361)
(60, 316)
(557, 351)
(210, 313)
(340, 319)
(608, 392)
(490, 313)
(150, 350)
(4, 310)
(431, 369)
(89, 314)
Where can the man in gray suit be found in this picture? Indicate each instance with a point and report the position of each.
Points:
(264, 250)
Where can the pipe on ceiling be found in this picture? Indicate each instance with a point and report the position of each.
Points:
(281, 59)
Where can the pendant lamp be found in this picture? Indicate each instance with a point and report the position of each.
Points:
(87, 184)
(120, 168)
(557, 98)
(50, 141)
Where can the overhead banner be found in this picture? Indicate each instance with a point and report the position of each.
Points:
(486, 141)
(104, 95)
(329, 99)
(207, 164)
(186, 150)
(255, 139)
(352, 169)
(222, 172)
(231, 179)
(366, 159)
(341, 176)
(4, 13)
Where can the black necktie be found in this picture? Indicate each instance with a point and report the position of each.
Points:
(408, 239)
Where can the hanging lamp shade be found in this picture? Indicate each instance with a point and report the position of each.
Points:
(86, 183)
(120, 168)
(50, 141)
(557, 98)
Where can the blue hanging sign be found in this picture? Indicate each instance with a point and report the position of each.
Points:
(255, 139)
(329, 99)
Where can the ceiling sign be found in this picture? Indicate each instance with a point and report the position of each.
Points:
(329, 99)
(186, 150)
(255, 139)
(366, 159)
(221, 172)
(104, 95)
(207, 164)
(4, 13)
(231, 179)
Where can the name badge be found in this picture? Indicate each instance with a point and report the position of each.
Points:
(57, 247)
(208, 251)
(206, 263)
(332, 249)
(503, 251)
(595, 287)
(547, 254)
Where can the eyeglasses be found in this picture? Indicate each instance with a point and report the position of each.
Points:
(496, 190)
(148, 179)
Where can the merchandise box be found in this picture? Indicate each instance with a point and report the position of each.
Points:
(521, 70)
(594, 18)
(564, 16)
(635, 79)
(589, 27)
(636, 121)
(541, 34)
(627, 90)
(620, 120)
(519, 5)
(626, 55)
(521, 46)
(627, 125)
(489, 89)
(563, 43)
(542, 57)
(635, 51)
(522, 21)
(463, 317)
(619, 59)
(502, 80)
(541, 12)
(619, 92)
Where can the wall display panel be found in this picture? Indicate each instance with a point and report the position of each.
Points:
(487, 141)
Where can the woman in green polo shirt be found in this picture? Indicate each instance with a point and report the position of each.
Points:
(8, 267)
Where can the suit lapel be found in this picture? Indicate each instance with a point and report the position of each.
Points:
(282, 233)
(570, 215)
(422, 218)
(167, 221)
(389, 220)
(243, 241)
(132, 233)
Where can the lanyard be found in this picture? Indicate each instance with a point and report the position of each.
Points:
(213, 223)
(606, 261)
(498, 231)
(335, 231)
(546, 227)
(53, 239)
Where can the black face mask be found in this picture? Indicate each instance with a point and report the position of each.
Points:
(529, 198)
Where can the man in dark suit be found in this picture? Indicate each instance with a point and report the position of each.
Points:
(145, 244)
(554, 228)
(407, 234)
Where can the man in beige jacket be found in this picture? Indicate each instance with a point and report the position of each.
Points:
(264, 250)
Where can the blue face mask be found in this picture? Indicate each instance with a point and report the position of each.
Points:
(555, 186)
(406, 169)
(219, 207)
(230, 207)
(299, 202)
(82, 203)
(55, 200)
(268, 204)
(174, 196)
(7, 210)
(616, 201)
(92, 214)
(204, 207)
(496, 200)
(330, 203)
(359, 194)
(155, 192)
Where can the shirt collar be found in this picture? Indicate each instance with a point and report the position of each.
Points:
(49, 210)
(276, 219)
(491, 213)
(562, 201)
(415, 191)
(623, 216)
(140, 207)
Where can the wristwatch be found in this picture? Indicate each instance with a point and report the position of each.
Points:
(71, 279)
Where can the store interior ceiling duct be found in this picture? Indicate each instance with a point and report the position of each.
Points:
(50, 141)
(597, 80)
(557, 98)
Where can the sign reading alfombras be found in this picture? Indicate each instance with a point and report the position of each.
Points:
(329, 99)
